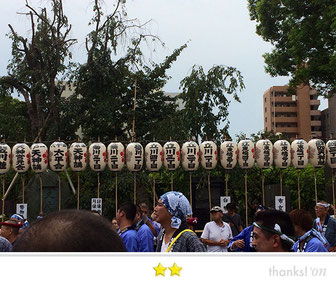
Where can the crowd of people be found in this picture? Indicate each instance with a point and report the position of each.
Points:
(170, 228)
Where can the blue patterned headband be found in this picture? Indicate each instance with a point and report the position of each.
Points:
(178, 206)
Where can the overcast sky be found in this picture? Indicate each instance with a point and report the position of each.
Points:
(219, 33)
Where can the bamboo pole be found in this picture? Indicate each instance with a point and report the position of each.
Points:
(190, 189)
(10, 186)
(23, 187)
(315, 183)
(59, 192)
(263, 186)
(226, 183)
(246, 209)
(98, 190)
(134, 188)
(78, 185)
(41, 194)
(171, 182)
(209, 191)
(298, 178)
(3, 199)
(280, 182)
(153, 190)
(116, 194)
(333, 185)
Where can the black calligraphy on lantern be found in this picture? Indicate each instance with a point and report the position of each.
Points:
(36, 159)
(284, 148)
(78, 157)
(320, 146)
(154, 155)
(20, 155)
(245, 153)
(300, 153)
(3, 157)
(58, 156)
(170, 153)
(96, 158)
(267, 153)
(229, 155)
(332, 152)
(191, 155)
(137, 156)
(114, 152)
(208, 154)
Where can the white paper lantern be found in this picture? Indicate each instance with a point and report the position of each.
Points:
(134, 156)
(228, 154)
(331, 153)
(190, 156)
(78, 156)
(317, 153)
(299, 153)
(208, 155)
(97, 156)
(154, 156)
(58, 156)
(264, 154)
(21, 157)
(39, 157)
(5, 158)
(282, 154)
(171, 155)
(115, 156)
(246, 154)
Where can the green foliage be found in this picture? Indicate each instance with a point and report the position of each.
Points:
(303, 35)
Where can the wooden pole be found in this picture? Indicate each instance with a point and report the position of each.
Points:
(280, 182)
(59, 192)
(190, 189)
(3, 199)
(298, 178)
(116, 194)
(134, 187)
(263, 186)
(78, 185)
(315, 183)
(98, 178)
(153, 190)
(333, 185)
(23, 187)
(171, 182)
(246, 209)
(209, 190)
(226, 183)
(41, 194)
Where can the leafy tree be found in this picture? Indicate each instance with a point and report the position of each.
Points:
(303, 35)
(38, 65)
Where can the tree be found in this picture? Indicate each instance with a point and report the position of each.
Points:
(303, 35)
(39, 65)
(205, 104)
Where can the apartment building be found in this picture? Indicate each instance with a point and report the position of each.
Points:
(329, 120)
(294, 115)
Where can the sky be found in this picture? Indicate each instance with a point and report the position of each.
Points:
(218, 32)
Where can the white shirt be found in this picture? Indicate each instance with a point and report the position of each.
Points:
(215, 233)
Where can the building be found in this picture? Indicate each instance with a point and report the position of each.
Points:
(296, 116)
(329, 120)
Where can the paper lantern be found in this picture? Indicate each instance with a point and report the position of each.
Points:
(171, 155)
(21, 157)
(39, 157)
(282, 154)
(154, 156)
(134, 156)
(317, 152)
(78, 156)
(264, 154)
(299, 153)
(58, 156)
(208, 155)
(5, 158)
(115, 156)
(190, 156)
(97, 156)
(331, 153)
(246, 154)
(228, 154)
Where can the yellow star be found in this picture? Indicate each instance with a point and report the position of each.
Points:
(160, 270)
(175, 270)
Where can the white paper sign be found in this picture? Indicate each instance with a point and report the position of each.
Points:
(223, 202)
(21, 208)
(97, 205)
(280, 203)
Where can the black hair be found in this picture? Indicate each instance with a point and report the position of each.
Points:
(302, 218)
(129, 209)
(70, 231)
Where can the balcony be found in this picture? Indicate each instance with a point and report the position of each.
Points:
(284, 119)
(315, 102)
(316, 123)
(316, 134)
(315, 113)
(292, 130)
(282, 99)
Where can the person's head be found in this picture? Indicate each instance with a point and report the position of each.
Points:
(172, 209)
(273, 231)
(231, 207)
(145, 209)
(216, 214)
(138, 214)
(126, 213)
(10, 229)
(70, 231)
(115, 224)
(302, 221)
(321, 209)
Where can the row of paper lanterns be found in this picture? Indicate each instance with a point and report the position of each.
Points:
(191, 155)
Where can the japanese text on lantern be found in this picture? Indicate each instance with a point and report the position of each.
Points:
(284, 153)
(320, 152)
(300, 153)
(137, 156)
(4, 156)
(114, 151)
(267, 153)
(245, 153)
(191, 155)
(332, 152)
(58, 156)
(78, 155)
(229, 154)
(170, 155)
(154, 155)
(208, 152)
(96, 157)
